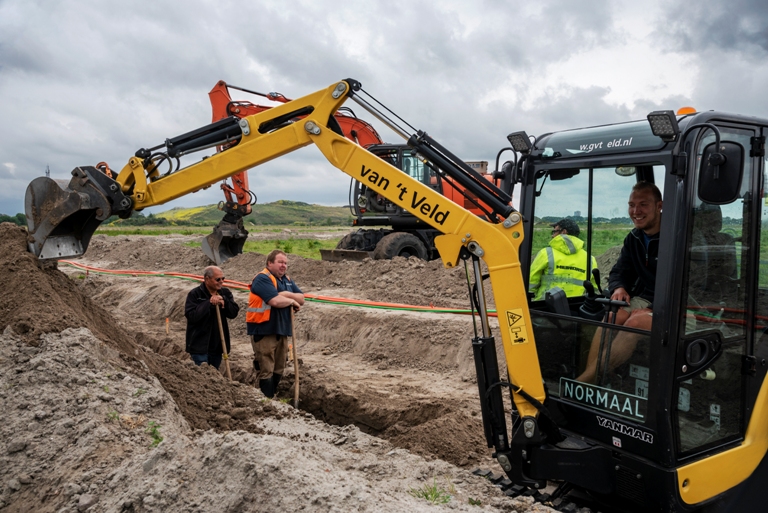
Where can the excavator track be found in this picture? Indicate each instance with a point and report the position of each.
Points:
(567, 502)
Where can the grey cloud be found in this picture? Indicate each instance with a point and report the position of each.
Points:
(89, 83)
(737, 25)
(514, 37)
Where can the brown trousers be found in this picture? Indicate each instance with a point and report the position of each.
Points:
(270, 352)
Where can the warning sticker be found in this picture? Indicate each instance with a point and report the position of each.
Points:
(517, 329)
(512, 317)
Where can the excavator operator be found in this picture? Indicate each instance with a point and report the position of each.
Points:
(632, 279)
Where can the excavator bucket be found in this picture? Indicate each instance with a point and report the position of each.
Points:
(62, 216)
(226, 241)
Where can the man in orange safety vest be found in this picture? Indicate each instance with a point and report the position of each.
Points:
(268, 318)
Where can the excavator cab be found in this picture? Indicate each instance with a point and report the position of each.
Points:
(670, 408)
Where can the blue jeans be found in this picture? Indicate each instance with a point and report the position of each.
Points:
(210, 359)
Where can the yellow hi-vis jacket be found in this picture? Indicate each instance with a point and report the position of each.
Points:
(561, 264)
(258, 309)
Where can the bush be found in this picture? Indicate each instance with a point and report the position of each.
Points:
(138, 219)
(19, 219)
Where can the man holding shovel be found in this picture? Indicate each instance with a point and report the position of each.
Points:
(273, 295)
(203, 328)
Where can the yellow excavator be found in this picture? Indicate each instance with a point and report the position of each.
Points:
(682, 424)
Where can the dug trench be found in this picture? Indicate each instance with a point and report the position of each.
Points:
(406, 378)
(401, 376)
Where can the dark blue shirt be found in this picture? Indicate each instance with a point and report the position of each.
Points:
(279, 322)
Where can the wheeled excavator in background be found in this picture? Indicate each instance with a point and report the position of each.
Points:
(682, 424)
(386, 230)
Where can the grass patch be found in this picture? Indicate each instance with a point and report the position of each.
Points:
(307, 248)
(115, 231)
(112, 416)
(153, 428)
(431, 493)
(604, 237)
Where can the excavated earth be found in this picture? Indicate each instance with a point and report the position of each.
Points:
(105, 411)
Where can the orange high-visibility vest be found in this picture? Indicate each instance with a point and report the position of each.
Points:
(258, 309)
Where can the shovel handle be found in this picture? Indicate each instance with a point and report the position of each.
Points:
(295, 365)
(223, 344)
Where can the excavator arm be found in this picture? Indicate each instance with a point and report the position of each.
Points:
(71, 215)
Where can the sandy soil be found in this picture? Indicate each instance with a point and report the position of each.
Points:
(93, 380)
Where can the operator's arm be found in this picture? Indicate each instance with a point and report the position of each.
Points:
(231, 308)
(538, 267)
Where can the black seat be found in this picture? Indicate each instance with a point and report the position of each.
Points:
(557, 301)
(713, 258)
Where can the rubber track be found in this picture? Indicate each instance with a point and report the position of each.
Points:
(564, 504)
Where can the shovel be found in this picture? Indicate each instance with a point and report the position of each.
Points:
(225, 356)
(295, 365)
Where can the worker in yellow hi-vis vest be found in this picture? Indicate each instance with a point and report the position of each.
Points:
(563, 263)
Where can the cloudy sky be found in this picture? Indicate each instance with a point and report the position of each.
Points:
(87, 81)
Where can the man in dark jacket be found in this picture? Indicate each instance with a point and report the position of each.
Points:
(203, 338)
(633, 277)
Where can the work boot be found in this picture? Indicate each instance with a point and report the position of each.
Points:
(275, 381)
(266, 387)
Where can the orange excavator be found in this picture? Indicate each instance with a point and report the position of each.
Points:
(229, 236)
(385, 230)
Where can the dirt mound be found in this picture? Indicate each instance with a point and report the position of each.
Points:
(87, 435)
(43, 300)
(168, 253)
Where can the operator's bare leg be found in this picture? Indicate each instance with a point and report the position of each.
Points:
(622, 346)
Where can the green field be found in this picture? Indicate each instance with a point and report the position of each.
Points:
(604, 236)
(282, 212)
(114, 230)
(108, 229)
(307, 248)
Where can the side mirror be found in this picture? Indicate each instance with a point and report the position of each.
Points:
(721, 171)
